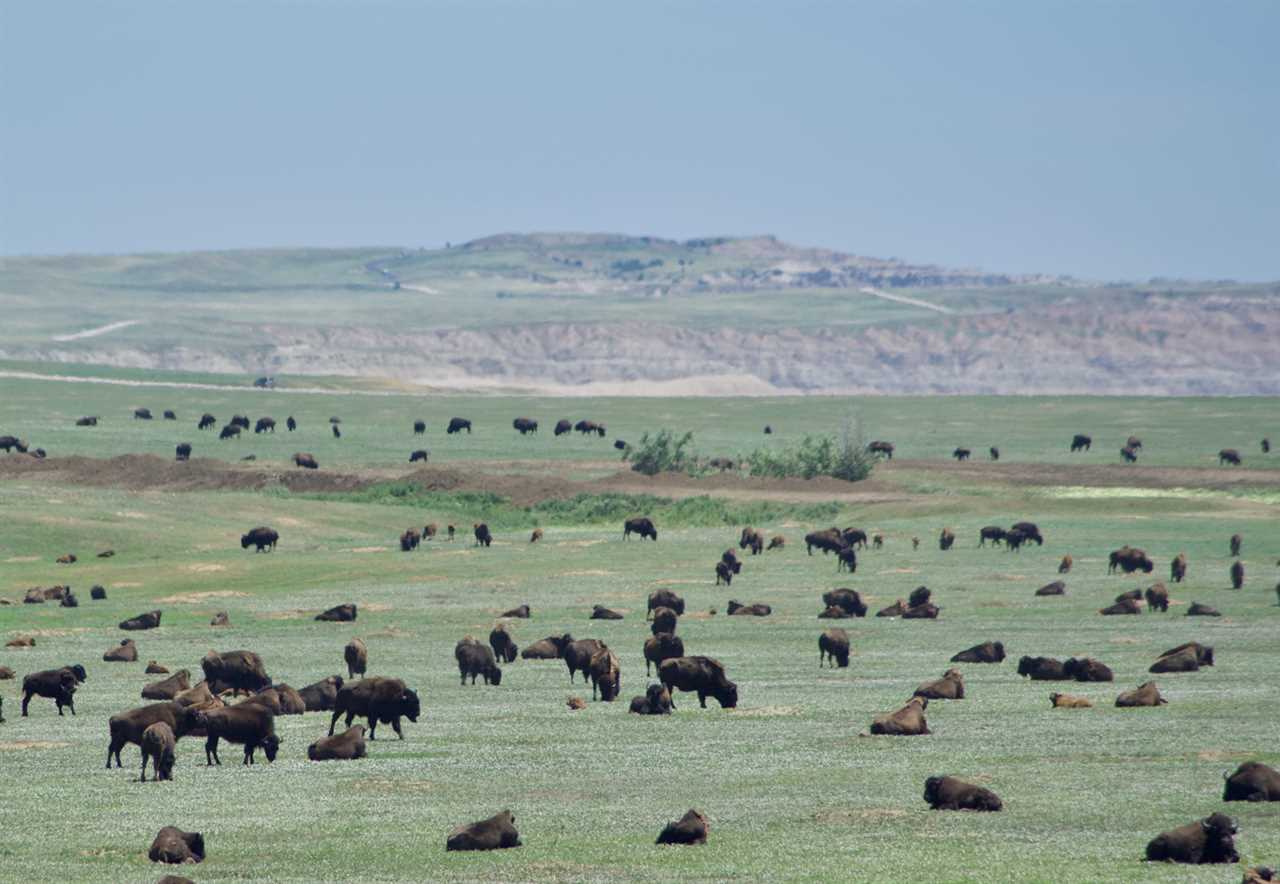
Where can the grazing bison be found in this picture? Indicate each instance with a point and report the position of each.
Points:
(451, 531)
(689, 829)
(703, 675)
(946, 539)
(600, 612)
(182, 451)
(291, 424)
(58, 685)
(949, 687)
(262, 538)
(206, 421)
(410, 539)
(661, 646)
(854, 537)
(1229, 456)
(664, 620)
(230, 431)
(149, 620)
(174, 846)
(87, 421)
(1206, 841)
(665, 598)
(457, 425)
(1068, 701)
(346, 746)
(1178, 568)
(1157, 596)
(563, 426)
(475, 659)
(777, 541)
(378, 699)
(337, 433)
(724, 574)
(265, 425)
(1057, 587)
(994, 533)
(1042, 669)
(994, 452)
(1029, 531)
(234, 671)
(550, 648)
(524, 425)
(251, 725)
(828, 540)
(420, 455)
(536, 535)
(1064, 567)
(640, 525)
(240, 420)
(356, 655)
(1122, 606)
(321, 695)
(750, 537)
(1129, 455)
(847, 599)
(987, 652)
(1236, 540)
(833, 647)
(504, 648)
(520, 612)
(1237, 575)
(158, 744)
(847, 560)
(605, 674)
(125, 652)
(737, 609)
(496, 833)
(220, 619)
(949, 793)
(881, 447)
(1266, 445)
(577, 655)
(344, 613)
(482, 534)
(1129, 559)
(129, 727)
(1081, 442)
(142, 414)
(961, 454)
(1144, 695)
(1198, 610)
(1252, 781)
(1087, 669)
(9, 443)
(168, 688)
(656, 700)
(306, 461)
(909, 721)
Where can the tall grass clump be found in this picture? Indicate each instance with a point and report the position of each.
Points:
(844, 457)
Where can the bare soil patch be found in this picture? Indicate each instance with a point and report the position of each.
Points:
(1091, 475)
(195, 598)
(18, 745)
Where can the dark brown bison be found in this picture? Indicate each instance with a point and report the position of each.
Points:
(337, 431)
(504, 648)
(833, 612)
(737, 609)
(563, 426)
(922, 611)
(251, 725)
(1178, 568)
(235, 671)
(378, 699)
(149, 620)
(262, 538)
(1204, 654)
(306, 461)
(987, 652)
(1042, 669)
(730, 558)
(661, 646)
(946, 539)
(158, 743)
(321, 695)
(1029, 531)
(664, 620)
(265, 425)
(129, 727)
(344, 613)
(854, 537)
(10, 443)
(154, 668)
(600, 612)
(410, 540)
(724, 574)
(753, 540)
(142, 414)
(230, 431)
(897, 609)
(550, 648)
(703, 675)
(1081, 442)
(1181, 659)
(689, 829)
(346, 746)
(1229, 456)
(881, 447)
(1157, 596)
(577, 655)
(457, 425)
(356, 655)
(1252, 781)
(1144, 695)
(291, 424)
(665, 598)
(961, 454)
(125, 652)
(828, 540)
(206, 421)
(536, 535)
(1122, 606)
(1129, 559)
(420, 454)
(605, 674)
(1064, 567)
(168, 688)
(220, 619)
(994, 452)
(174, 846)
(182, 451)
(1129, 455)
(949, 687)
(949, 793)
(1087, 669)
(1236, 541)
(58, 685)
(642, 526)
(520, 612)
(909, 721)
(847, 599)
(240, 420)
(91, 421)
(1237, 575)
(475, 659)
(656, 700)
(419, 427)
(496, 833)
(833, 647)
(482, 534)
(1057, 587)
(994, 533)
(1198, 610)
(524, 425)
(777, 542)
(98, 593)
(847, 560)
(1210, 840)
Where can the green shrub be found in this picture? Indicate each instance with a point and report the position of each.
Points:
(661, 453)
(844, 458)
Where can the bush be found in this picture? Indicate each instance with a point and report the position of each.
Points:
(661, 453)
(845, 458)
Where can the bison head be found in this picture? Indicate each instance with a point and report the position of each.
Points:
(409, 705)
(727, 695)
(495, 675)
(79, 672)
(271, 746)
(1026, 666)
(931, 787)
(245, 541)
(999, 649)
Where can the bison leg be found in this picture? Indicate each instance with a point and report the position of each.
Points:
(144, 768)
(211, 752)
(702, 699)
(333, 721)
(248, 752)
(395, 726)
(26, 698)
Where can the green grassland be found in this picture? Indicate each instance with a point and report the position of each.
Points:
(793, 792)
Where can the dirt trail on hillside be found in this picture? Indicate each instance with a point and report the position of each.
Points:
(1095, 475)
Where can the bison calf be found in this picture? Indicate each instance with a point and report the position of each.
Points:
(833, 647)
(158, 744)
(1068, 701)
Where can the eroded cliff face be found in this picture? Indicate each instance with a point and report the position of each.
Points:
(1151, 346)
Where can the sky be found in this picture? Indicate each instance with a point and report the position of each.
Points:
(1108, 140)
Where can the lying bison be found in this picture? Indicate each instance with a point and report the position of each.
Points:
(58, 685)
(125, 652)
(261, 538)
(1057, 587)
(168, 688)
(949, 687)
(174, 846)
(378, 699)
(306, 461)
(600, 612)
(703, 675)
(909, 721)
(987, 652)
(847, 599)
(320, 696)
(344, 613)
(1144, 695)
(737, 609)
(149, 620)
(1042, 669)
(1207, 841)
(656, 700)
(1198, 610)
(833, 647)
(496, 833)
(1069, 701)
(1252, 781)
(949, 793)
(689, 829)
(346, 746)
(1087, 669)
(642, 526)
(550, 648)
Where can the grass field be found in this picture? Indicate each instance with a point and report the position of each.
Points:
(793, 792)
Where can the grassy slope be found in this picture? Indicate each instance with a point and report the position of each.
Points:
(791, 789)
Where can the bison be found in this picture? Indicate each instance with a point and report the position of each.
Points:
(1064, 567)
(550, 648)
(482, 534)
(91, 421)
(1042, 669)
(1157, 596)
(1146, 694)
(125, 652)
(1196, 609)
(262, 538)
(129, 727)
(703, 675)
(577, 656)
(1252, 781)
(665, 598)
(1203, 653)
(524, 426)
(1229, 456)
(847, 560)
(520, 612)
(600, 612)
(265, 425)
(689, 829)
(142, 414)
(356, 655)
(724, 574)
(909, 721)
(828, 540)
(230, 431)
(661, 646)
(1178, 568)
(946, 539)
(994, 533)
(961, 454)
(306, 461)
(1122, 606)
(605, 674)
(504, 648)
(1182, 659)
(182, 452)
(496, 833)
(291, 424)
(206, 421)
(9, 443)
(1235, 542)
(420, 454)
(1129, 559)
(475, 659)
(457, 425)
(656, 700)
(168, 688)
(1081, 442)
(174, 846)
(736, 609)
(410, 539)
(1057, 587)
(321, 695)
(149, 620)
(344, 613)
(563, 426)
(848, 599)
(234, 671)
(1129, 455)
(949, 793)
(1087, 669)
(1237, 575)
(777, 542)
(879, 446)
(1206, 841)
(640, 525)
(346, 746)
(949, 687)
(252, 725)
(833, 648)
(1068, 701)
(664, 620)
(158, 744)
(58, 685)
(378, 699)
(987, 652)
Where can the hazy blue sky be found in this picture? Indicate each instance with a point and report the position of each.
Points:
(1104, 139)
